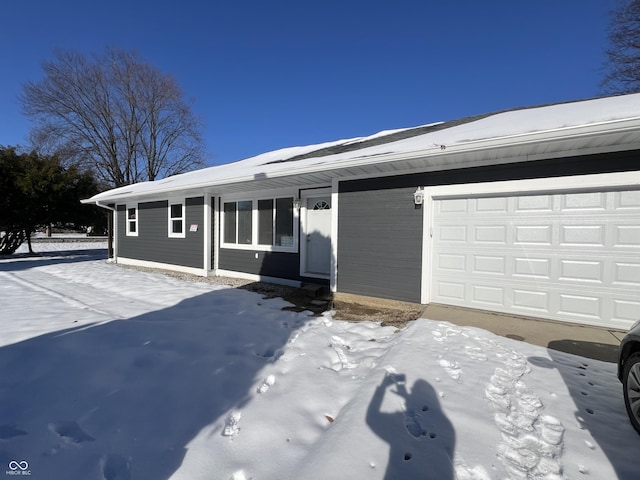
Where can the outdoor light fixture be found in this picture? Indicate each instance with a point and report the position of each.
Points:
(418, 196)
(297, 203)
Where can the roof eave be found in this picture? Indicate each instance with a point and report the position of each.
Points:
(576, 133)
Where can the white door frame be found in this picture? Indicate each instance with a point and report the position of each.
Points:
(576, 183)
(304, 196)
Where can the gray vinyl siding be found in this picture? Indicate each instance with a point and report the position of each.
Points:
(380, 246)
(380, 231)
(153, 243)
(270, 264)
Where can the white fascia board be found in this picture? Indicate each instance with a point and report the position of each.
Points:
(583, 132)
(576, 183)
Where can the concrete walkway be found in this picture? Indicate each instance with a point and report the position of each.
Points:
(591, 342)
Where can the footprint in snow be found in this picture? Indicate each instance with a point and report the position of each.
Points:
(438, 336)
(339, 345)
(475, 353)
(451, 367)
(266, 384)
(231, 425)
(270, 353)
(551, 429)
(531, 445)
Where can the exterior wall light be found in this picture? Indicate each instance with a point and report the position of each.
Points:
(297, 203)
(418, 196)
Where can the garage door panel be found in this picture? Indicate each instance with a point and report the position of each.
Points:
(583, 201)
(493, 205)
(627, 236)
(582, 271)
(452, 262)
(491, 265)
(582, 235)
(493, 234)
(452, 291)
(452, 233)
(587, 306)
(454, 205)
(571, 256)
(533, 203)
(490, 296)
(533, 234)
(531, 301)
(627, 200)
(627, 274)
(528, 267)
(625, 310)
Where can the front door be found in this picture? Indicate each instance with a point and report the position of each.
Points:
(316, 241)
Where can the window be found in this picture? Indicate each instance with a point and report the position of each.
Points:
(245, 232)
(176, 220)
(237, 222)
(283, 222)
(132, 221)
(265, 224)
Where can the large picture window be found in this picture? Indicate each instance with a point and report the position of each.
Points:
(265, 224)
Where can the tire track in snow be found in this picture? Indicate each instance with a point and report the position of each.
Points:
(82, 297)
(38, 286)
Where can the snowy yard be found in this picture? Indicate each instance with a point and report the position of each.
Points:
(111, 373)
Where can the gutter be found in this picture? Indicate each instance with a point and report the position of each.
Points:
(99, 204)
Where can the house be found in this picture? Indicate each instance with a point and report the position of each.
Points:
(533, 211)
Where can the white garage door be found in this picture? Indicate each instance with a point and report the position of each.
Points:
(562, 256)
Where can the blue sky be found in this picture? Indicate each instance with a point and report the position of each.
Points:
(268, 74)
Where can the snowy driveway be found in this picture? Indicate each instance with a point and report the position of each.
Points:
(107, 373)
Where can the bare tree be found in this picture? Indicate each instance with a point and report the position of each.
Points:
(115, 114)
(623, 54)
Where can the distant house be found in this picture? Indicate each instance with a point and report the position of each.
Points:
(533, 211)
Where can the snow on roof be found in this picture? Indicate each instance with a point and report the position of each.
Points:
(501, 125)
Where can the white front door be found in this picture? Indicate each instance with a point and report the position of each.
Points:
(316, 236)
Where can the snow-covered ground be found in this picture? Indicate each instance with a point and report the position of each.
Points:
(111, 373)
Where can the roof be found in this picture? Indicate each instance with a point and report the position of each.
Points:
(525, 134)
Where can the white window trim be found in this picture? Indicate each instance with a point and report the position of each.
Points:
(170, 219)
(127, 226)
(254, 245)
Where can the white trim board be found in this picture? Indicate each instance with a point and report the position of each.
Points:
(599, 181)
(257, 278)
(164, 266)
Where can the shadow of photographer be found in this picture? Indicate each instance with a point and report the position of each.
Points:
(420, 436)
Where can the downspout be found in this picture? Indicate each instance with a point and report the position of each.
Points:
(110, 225)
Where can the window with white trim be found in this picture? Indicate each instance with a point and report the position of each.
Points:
(261, 224)
(237, 222)
(176, 220)
(132, 221)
